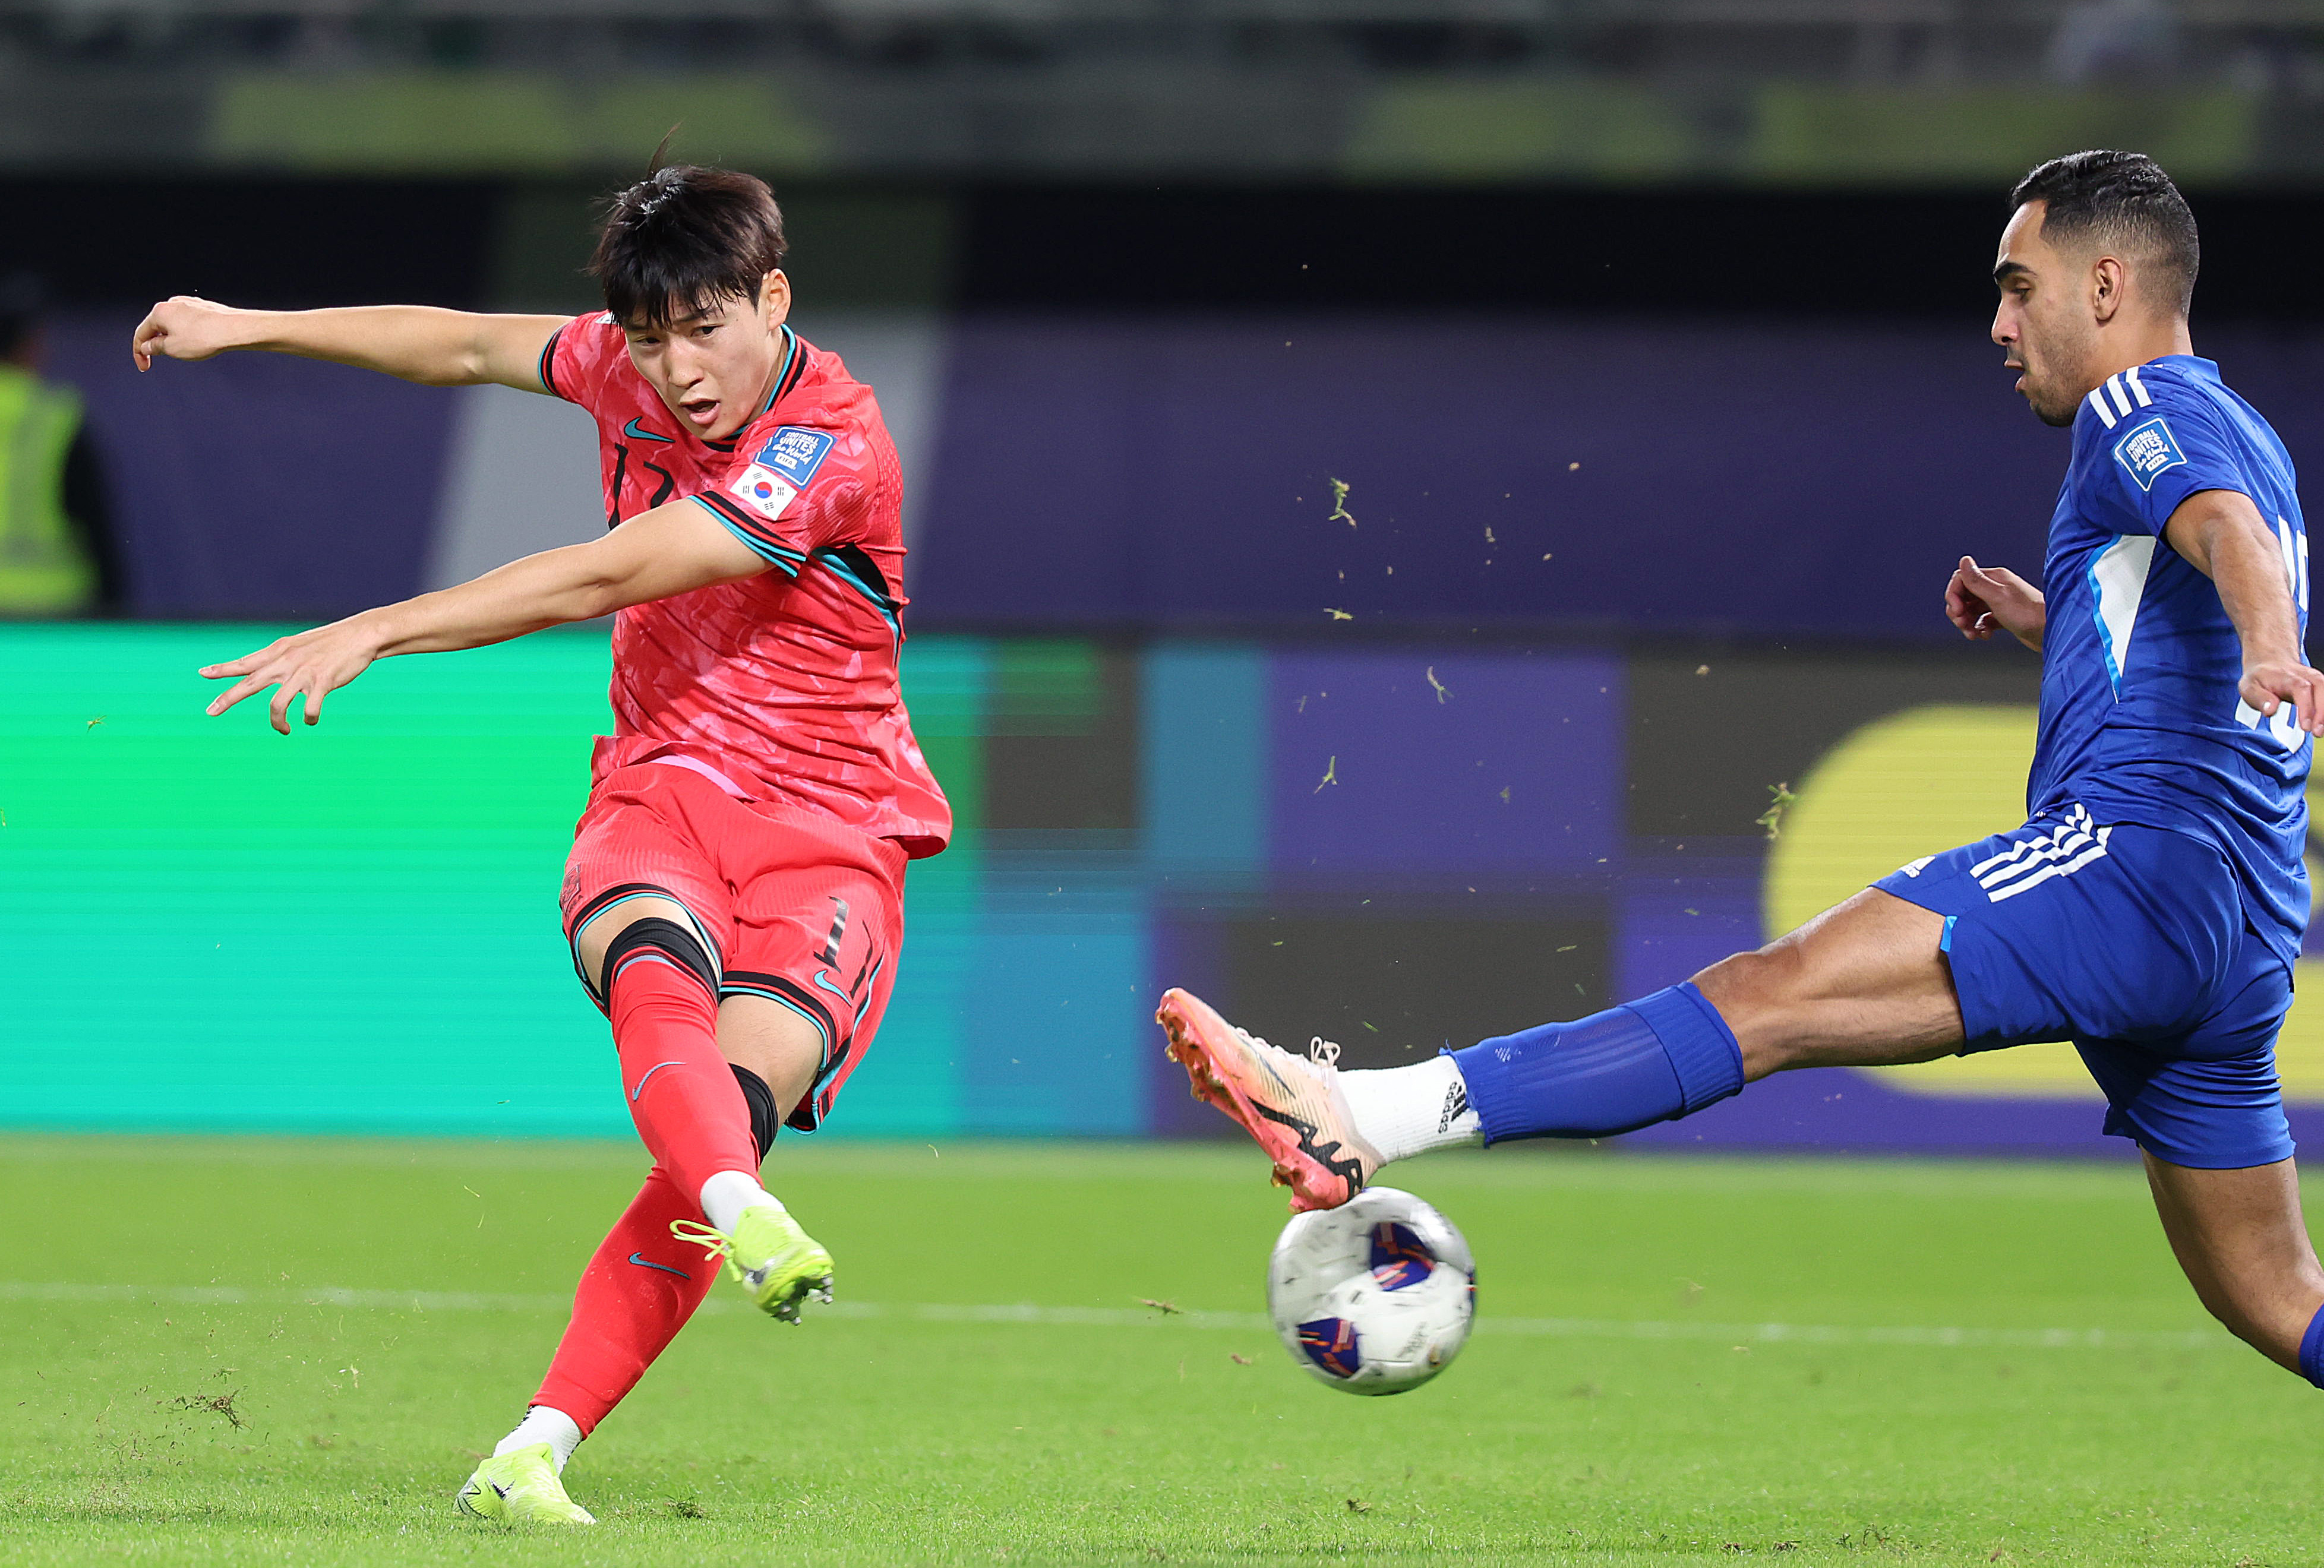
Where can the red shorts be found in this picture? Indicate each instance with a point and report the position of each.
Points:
(794, 907)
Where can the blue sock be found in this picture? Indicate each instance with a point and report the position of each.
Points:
(2311, 1349)
(1650, 1060)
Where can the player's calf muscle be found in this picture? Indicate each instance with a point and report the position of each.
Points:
(2239, 1236)
(1862, 984)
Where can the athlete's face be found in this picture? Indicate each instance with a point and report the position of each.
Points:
(2045, 321)
(715, 367)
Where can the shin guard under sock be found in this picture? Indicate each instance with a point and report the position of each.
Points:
(683, 1096)
(1661, 1056)
(636, 1293)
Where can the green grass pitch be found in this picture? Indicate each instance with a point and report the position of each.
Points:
(211, 1353)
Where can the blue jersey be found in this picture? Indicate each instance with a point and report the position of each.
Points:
(2141, 719)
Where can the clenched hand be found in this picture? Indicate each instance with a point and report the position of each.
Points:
(183, 327)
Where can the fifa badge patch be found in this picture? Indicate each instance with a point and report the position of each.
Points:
(794, 453)
(2149, 451)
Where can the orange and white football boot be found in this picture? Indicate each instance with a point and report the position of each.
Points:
(1292, 1105)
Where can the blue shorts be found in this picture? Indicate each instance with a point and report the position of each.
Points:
(2132, 943)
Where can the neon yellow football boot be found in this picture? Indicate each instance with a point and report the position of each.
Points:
(520, 1488)
(782, 1266)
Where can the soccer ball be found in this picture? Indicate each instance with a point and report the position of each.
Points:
(1375, 1297)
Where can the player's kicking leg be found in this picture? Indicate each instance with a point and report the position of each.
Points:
(2130, 942)
(704, 1079)
(745, 963)
(1863, 984)
(647, 1278)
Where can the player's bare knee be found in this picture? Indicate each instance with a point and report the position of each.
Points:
(1752, 990)
(1757, 979)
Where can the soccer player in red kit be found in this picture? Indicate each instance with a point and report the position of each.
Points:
(734, 897)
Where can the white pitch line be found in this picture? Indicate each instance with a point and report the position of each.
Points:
(2042, 1339)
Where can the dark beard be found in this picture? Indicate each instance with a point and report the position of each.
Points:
(2056, 420)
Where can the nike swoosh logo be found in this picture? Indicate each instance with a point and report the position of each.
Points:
(642, 1261)
(823, 979)
(656, 1067)
(496, 1486)
(637, 432)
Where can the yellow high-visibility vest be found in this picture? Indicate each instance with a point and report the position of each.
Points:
(45, 568)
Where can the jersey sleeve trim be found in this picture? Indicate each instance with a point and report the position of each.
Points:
(547, 359)
(2118, 397)
(742, 525)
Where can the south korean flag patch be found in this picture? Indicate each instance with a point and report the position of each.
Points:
(780, 469)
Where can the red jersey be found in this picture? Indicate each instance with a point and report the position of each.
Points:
(785, 684)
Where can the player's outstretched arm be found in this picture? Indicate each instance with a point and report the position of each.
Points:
(671, 549)
(2221, 534)
(415, 342)
(1979, 599)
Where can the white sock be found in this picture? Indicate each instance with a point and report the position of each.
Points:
(1407, 1110)
(544, 1423)
(725, 1196)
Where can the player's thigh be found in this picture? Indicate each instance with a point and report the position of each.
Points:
(642, 854)
(2068, 929)
(782, 1046)
(1864, 983)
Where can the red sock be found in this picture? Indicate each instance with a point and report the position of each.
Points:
(636, 1293)
(683, 1096)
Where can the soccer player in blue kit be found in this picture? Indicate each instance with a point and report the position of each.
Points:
(2149, 910)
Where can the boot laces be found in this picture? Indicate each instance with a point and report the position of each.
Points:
(1323, 1053)
(714, 1243)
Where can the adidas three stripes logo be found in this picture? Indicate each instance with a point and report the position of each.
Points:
(2122, 392)
(2059, 852)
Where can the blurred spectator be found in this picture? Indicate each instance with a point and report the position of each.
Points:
(2114, 41)
(56, 530)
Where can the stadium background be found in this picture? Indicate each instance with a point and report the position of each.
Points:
(1646, 337)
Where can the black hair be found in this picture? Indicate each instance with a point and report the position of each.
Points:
(683, 237)
(2120, 199)
(24, 300)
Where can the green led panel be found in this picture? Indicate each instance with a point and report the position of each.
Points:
(206, 925)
